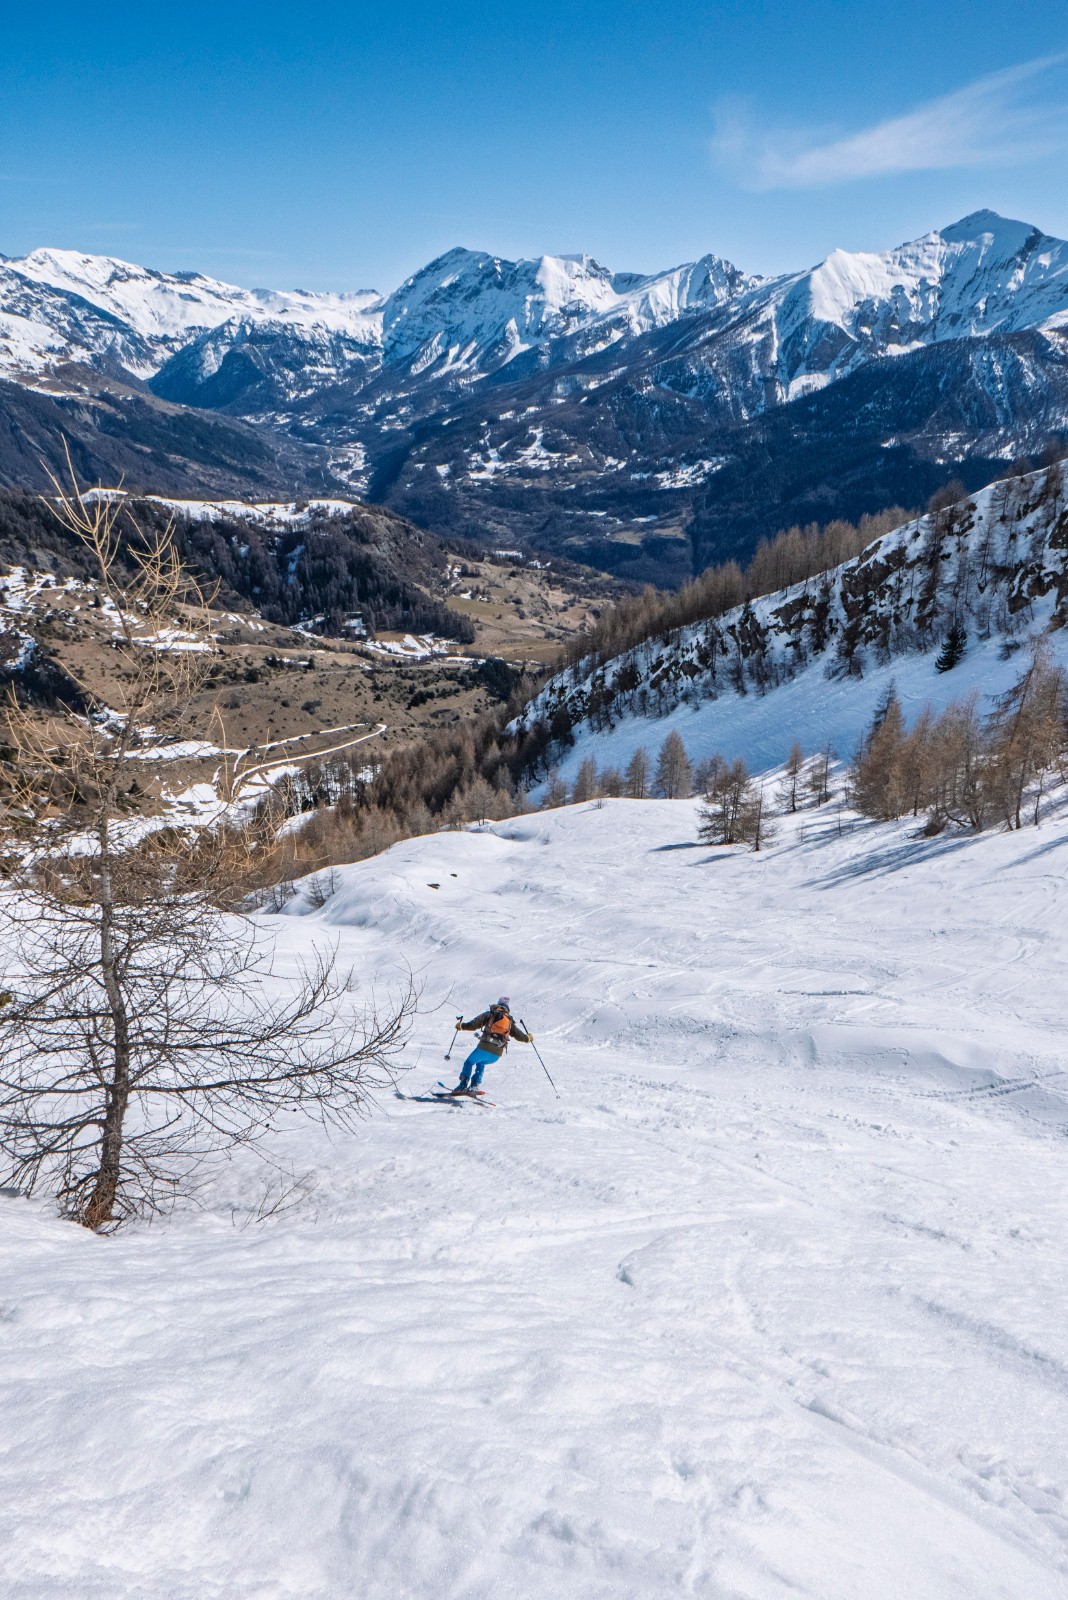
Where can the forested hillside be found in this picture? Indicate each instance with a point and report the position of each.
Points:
(994, 564)
(334, 565)
(802, 649)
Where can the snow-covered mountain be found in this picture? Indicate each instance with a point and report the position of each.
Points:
(474, 311)
(615, 415)
(253, 365)
(464, 311)
(100, 311)
(985, 274)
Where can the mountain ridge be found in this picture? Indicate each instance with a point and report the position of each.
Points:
(583, 411)
(550, 294)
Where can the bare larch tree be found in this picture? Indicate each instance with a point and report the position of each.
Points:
(146, 1027)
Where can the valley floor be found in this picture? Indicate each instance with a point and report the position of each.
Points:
(770, 1302)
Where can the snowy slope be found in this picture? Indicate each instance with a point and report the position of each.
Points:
(811, 710)
(271, 514)
(158, 304)
(810, 663)
(42, 327)
(771, 1301)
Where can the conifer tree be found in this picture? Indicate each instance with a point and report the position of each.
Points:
(879, 789)
(708, 773)
(953, 649)
(585, 782)
(555, 791)
(726, 815)
(674, 774)
(636, 777)
(916, 767)
(819, 777)
(1025, 734)
(791, 782)
(756, 825)
(961, 769)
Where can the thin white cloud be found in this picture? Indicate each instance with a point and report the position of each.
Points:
(1007, 117)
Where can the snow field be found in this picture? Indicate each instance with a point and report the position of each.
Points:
(771, 1301)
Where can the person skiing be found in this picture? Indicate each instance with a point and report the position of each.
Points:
(498, 1026)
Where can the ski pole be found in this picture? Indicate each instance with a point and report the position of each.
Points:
(452, 1041)
(537, 1052)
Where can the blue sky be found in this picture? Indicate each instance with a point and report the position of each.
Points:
(342, 146)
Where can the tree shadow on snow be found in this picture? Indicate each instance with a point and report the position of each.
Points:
(894, 858)
(1043, 850)
(694, 844)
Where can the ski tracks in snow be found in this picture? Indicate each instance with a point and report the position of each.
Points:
(771, 1303)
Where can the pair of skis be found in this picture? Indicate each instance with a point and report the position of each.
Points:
(446, 1096)
(459, 1094)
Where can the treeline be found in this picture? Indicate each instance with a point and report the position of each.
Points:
(32, 537)
(792, 556)
(966, 769)
(736, 807)
(349, 810)
(455, 777)
(990, 562)
(957, 769)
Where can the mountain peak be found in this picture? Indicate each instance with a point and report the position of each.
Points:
(979, 225)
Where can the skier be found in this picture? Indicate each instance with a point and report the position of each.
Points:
(498, 1026)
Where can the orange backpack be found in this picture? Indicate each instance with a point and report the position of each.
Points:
(500, 1025)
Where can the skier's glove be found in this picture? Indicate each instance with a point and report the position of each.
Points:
(459, 1027)
(530, 1038)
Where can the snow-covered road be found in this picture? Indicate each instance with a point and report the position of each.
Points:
(771, 1302)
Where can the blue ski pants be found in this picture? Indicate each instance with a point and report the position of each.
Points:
(475, 1065)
